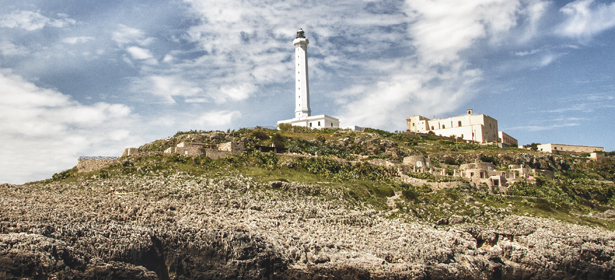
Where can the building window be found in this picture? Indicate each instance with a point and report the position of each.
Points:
(185, 152)
(310, 124)
(459, 123)
(318, 123)
(432, 127)
(443, 126)
(331, 124)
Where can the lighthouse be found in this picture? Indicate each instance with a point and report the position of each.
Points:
(302, 98)
(303, 113)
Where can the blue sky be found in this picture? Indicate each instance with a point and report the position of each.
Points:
(94, 77)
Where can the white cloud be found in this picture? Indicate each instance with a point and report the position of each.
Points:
(217, 119)
(9, 49)
(533, 15)
(585, 19)
(31, 21)
(45, 131)
(530, 52)
(168, 58)
(548, 59)
(77, 40)
(444, 28)
(167, 87)
(127, 35)
(236, 93)
(139, 53)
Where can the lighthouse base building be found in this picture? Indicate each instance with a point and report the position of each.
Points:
(303, 113)
(319, 121)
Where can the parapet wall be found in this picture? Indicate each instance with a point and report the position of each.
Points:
(88, 164)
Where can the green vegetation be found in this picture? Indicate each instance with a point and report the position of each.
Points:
(339, 159)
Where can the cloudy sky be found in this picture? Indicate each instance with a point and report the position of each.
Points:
(89, 78)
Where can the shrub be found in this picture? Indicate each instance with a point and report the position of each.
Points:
(384, 191)
(409, 139)
(259, 134)
(278, 140)
(64, 174)
(484, 158)
(285, 126)
(378, 131)
(412, 192)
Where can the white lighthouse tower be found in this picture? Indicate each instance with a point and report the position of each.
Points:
(303, 113)
(302, 98)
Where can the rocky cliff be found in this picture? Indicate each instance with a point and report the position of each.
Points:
(233, 227)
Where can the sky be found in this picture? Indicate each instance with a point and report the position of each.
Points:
(90, 78)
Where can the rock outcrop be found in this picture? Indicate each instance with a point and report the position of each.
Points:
(231, 227)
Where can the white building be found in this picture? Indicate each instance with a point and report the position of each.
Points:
(479, 128)
(303, 113)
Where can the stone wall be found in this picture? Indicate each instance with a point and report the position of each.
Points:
(88, 164)
(130, 152)
(216, 154)
(434, 185)
(231, 147)
(186, 150)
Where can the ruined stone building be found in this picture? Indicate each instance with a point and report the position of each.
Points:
(210, 151)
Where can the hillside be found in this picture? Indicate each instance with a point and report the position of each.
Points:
(335, 204)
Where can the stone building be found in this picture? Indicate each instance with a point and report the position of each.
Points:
(418, 163)
(507, 140)
(478, 128)
(486, 173)
(303, 112)
(568, 149)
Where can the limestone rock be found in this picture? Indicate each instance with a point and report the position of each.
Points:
(194, 227)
